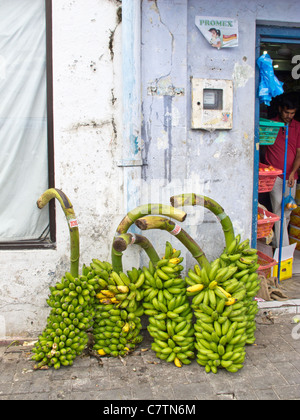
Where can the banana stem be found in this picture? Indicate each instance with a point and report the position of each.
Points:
(147, 209)
(121, 243)
(192, 199)
(135, 214)
(68, 210)
(156, 222)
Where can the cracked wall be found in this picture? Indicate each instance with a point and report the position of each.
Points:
(215, 163)
(87, 126)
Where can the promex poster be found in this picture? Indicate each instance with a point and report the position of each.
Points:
(220, 32)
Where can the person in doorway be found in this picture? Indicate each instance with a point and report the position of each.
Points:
(274, 156)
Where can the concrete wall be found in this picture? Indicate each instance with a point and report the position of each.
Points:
(87, 75)
(88, 127)
(217, 163)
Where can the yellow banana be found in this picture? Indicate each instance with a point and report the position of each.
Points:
(115, 300)
(108, 293)
(100, 296)
(177, 362)
(230, 301)
(126, 327)
(228, 295)
(105, 301)
(123, 289)
(195, 288)
(175, 260)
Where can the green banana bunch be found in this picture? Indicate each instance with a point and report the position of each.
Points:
(246, 260)
(224, 307)
(124, 290)
(116, 332)
(64, 337)
(168, 309)
(118, 309)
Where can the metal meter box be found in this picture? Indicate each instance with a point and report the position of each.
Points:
(212, 104)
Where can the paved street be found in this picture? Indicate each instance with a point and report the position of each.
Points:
(271, 372)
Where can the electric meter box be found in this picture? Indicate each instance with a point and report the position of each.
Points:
(212, 104)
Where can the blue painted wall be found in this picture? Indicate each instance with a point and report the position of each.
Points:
(176, 158)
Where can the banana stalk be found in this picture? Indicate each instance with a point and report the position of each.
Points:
(157, 222)
(147, 209)
(135, 214)
(68, 210)
(121, 243)
(192, 199)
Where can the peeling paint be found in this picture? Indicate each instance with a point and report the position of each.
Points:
(241, 74)
(165, 91)
(162, 142)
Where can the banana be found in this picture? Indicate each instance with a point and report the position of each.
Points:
(249, 251)
(212, 284)
(218, 329)
(212, 298)
(168, 250)
(140, 280)
(213, 272)
(175, 260)
(116, 279)
(231, 286)
(195, 288)
(227, 294)
(204, 276)
(177, 362)
(230, 301)
(232, 246)
(206, 309)
(162, 274)
(168, 270)
(225, 257)
(235, 257)
(218, 292)
(195, 277)
(244, 245)
(242, 273)
(197, 270)
(220, 306)
(158, 283)
(248, 260)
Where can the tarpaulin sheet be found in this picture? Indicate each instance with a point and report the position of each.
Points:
(23, 119)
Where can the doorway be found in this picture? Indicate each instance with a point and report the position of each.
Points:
(283, 46)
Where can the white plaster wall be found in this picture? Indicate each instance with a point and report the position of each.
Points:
(87, 126)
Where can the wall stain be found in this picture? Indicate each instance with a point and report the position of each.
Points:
(168, 130)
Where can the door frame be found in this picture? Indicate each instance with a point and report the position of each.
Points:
(279, 34)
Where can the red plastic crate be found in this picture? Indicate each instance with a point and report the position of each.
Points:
(265, 225)
(266, 179)
(266, 263)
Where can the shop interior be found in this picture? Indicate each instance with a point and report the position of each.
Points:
(282, 56)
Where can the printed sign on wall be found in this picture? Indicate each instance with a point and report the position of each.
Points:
(220, 32)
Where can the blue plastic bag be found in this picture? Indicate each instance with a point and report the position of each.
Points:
(269, 85)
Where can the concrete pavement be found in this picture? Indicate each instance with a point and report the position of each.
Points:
(271, 372)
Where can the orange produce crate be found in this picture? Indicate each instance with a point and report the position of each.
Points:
(266, 263)
(266, 179)
(265, 223)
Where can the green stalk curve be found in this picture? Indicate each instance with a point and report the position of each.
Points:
(191, 199)
(68, 210)
(121, 243)
(147, 209)
(156, 222)
(135, 214)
